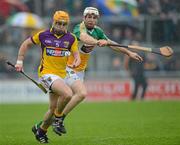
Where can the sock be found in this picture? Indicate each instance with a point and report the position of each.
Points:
(42, 131)
(61, 116)
(57, 114)
(39, 124)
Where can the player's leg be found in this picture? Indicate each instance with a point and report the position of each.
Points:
(58, 86)
(79, 90)
(135, 90)
(55, 84)
(65, 93)
(80, 93)
(47, 81)
(48, 117)
(40, 129)
(144, 87)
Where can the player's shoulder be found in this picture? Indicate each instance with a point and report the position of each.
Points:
(43, 32)
(72, 36)
(77, 26)
(80, 26)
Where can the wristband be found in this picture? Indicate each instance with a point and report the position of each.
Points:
(19, 62)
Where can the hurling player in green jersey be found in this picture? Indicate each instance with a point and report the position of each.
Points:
(89, 36)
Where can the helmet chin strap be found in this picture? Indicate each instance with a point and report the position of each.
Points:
(89, 28)
(58, 32)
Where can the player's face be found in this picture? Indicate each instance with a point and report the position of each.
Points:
(90, 20)
(60, 27)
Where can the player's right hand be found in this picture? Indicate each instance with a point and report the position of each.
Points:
(135, 56)
(19, 66)
(102, 42)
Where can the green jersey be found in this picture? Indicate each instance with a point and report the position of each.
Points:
(96, 33)
(85, 49)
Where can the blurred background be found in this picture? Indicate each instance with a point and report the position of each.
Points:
(151, 23)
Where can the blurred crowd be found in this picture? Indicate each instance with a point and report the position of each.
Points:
(163, 15)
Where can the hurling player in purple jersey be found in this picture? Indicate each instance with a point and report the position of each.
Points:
(66, 90)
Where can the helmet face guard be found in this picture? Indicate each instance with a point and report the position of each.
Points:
(60, 19)
(91, 10)
(91, 16)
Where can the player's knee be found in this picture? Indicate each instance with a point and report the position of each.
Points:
(68, 95)
(82, 95)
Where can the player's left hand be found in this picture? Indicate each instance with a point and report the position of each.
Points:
(75, 63)
(135, 56)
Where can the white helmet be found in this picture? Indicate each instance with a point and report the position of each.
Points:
(91, 10)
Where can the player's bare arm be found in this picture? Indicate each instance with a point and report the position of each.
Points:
(84, 37)
(22, 51)
(131, 54)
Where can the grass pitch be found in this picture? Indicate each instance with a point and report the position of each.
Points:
(112, 123)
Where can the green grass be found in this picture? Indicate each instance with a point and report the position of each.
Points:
(112, 123)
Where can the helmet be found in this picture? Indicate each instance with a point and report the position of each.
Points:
(61, 16)
(91, 10)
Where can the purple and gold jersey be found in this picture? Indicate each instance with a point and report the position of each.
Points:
(55, 51)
